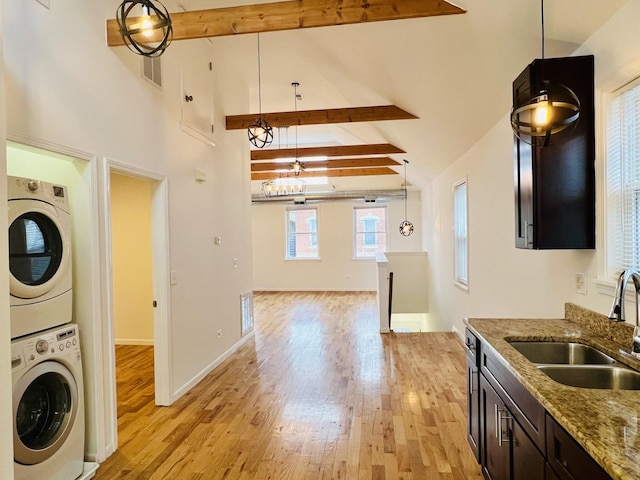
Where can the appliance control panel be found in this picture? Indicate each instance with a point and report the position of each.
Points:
(40, 346)
(23, 188)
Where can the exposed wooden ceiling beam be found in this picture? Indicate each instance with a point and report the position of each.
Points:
(343, 172)
(321, 117)
(340, 163)
(291, 15)
(339, 151)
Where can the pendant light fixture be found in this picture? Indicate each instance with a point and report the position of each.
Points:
(551, 110)
(296, 166)
(260, 132)
(406, 227)
(145, 26)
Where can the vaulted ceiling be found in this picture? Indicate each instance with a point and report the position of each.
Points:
(452, 72)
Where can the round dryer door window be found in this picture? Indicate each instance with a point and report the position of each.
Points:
(35, 249)
(44, 409)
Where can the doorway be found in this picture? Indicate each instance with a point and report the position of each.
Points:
(132, 286)
(136, 208)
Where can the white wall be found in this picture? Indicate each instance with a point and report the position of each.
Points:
(410, 277)
(503, 280)
(336, 269)
(66, 87)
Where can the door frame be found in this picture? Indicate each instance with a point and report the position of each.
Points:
(160, 275)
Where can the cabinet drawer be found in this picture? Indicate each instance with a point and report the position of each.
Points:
(472, 344)
(567, 458)
(524, 407)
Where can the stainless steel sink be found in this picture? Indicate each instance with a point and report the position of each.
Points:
(594, 376)
(566, 353)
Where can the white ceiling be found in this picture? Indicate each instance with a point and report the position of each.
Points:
(453, 72)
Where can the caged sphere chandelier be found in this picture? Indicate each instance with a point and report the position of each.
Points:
(145, 26)
(552, 109)
(406, 227)
(260, 133)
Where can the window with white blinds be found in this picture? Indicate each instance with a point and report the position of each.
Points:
(623, 179)
(460, 248)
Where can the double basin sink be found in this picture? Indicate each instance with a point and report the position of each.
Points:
(578, 365)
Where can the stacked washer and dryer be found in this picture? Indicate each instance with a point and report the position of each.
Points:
(48, 392)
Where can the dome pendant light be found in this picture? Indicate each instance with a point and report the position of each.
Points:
(260, 132)
(148, 32)
(553, 109)
(406, 227)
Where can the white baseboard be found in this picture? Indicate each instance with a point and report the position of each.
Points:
(209, 368)
(459, 333)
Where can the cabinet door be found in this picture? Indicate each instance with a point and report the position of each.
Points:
(473, 407)
(523, 171)
(527, 463)
(495, 435)
(567, 458)
(197, 91)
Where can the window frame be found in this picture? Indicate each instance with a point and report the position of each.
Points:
(609, 259)
(314, 241)
(460, 252)
(356, 233)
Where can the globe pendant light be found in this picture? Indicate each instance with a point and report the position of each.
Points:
(406, 227)
(260, 132)
(551, 110)
(148, 32)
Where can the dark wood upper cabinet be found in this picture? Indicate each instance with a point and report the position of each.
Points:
(555, 185)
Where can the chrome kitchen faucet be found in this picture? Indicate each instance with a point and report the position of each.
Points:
(617, 307)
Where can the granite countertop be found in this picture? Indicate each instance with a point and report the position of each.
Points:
(604, 422)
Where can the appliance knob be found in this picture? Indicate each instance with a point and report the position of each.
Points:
(42, 346)
(33, 185)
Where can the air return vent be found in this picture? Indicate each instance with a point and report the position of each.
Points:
(151, 70)
(246, 301)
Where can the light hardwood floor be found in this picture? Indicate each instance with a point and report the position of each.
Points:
(317, 394)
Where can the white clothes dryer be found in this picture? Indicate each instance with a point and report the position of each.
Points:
(48, 405)
(39, 255)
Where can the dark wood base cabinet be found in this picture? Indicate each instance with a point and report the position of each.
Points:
(508, 452)
(473, 392)
(514, 438)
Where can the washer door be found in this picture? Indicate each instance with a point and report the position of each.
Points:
(45, 404)
(38, 248)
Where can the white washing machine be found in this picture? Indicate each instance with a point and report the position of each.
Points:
(48, 405)
(39, 255)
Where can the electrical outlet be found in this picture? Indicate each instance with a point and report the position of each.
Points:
(219, 332)
(581, 283)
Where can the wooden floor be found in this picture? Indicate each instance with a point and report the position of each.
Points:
(317, 394)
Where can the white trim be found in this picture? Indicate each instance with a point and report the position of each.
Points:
(94, 383)
(29, 141)
(457, 281)
(459, 333)
(162, 321)
(213, 365)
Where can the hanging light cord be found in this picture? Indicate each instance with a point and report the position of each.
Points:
(295, 104)
(542, 24)
(405, 188)
(259, 81)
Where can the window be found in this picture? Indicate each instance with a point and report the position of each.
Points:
(370, 231)
(623, 179)
(302, 233)
(460, 249)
